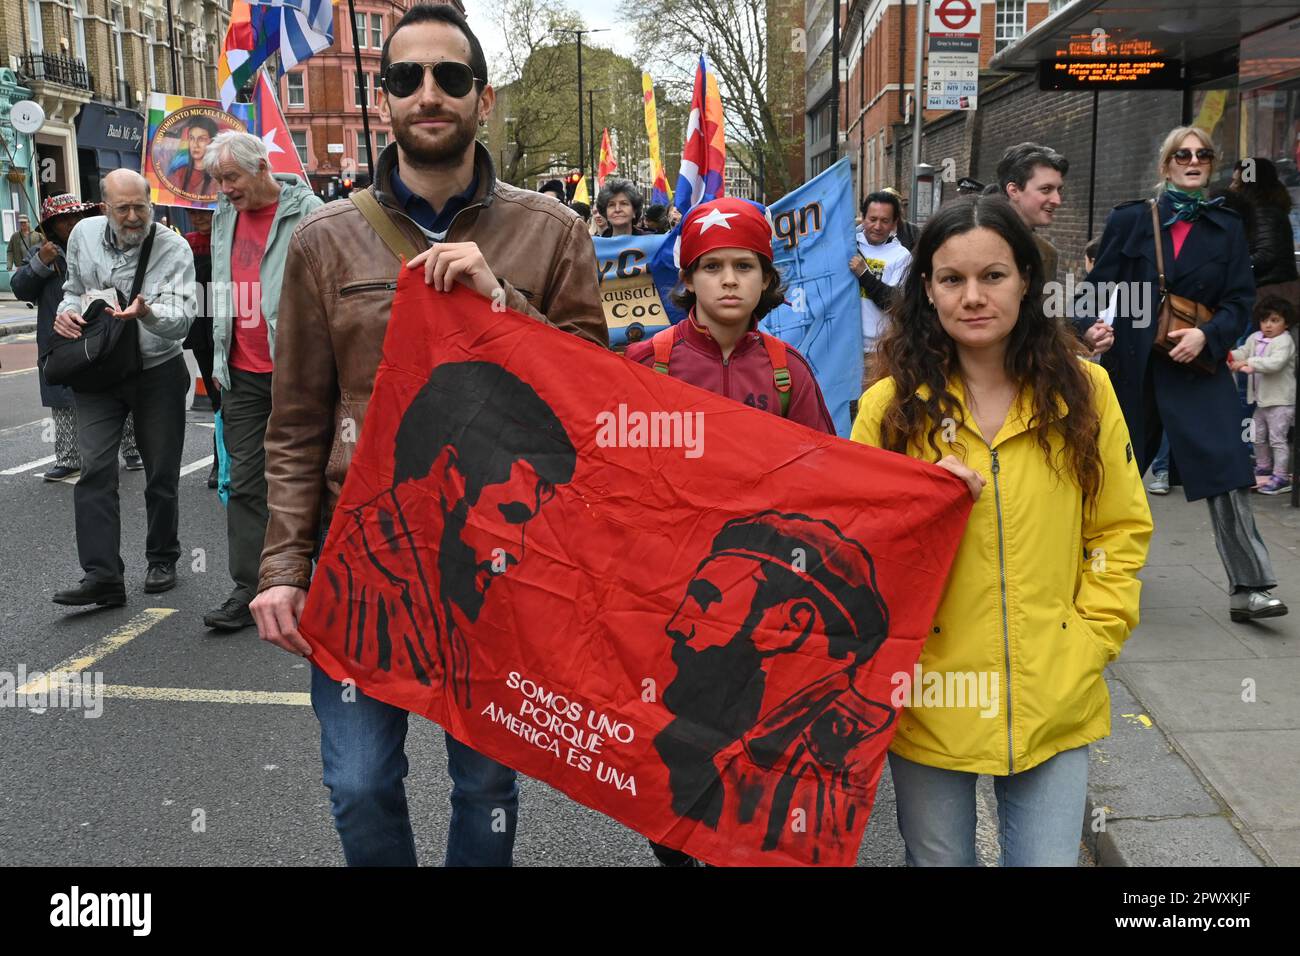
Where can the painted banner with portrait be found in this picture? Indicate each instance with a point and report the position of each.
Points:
(681, 611)
(180, 129)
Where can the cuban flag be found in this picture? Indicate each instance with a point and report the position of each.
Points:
(704, 154)
(295, 29)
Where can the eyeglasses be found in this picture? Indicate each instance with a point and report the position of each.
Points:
(1184, 156)
(125, 209)
(404, 78)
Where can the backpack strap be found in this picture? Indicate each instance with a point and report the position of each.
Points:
(663, 346)
(780, 370)
(393, 237)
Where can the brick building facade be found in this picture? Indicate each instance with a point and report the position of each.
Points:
(1254, 110)
(322, 98)
(91, 65)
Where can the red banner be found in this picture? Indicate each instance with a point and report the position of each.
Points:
(679, 610)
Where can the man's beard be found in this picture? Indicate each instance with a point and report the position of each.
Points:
(448, 152)
(128, 237)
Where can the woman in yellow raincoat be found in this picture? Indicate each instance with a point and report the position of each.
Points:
(1044, 590)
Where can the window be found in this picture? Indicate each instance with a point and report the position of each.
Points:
(79, 21)
(363, 155)
(381, 141)
(35, 34)
(359, 92)
(297, 94)
(374, 89)
(1054, 5)
(1009, 23)
(377, 31)
(119, 24)
(299, 137)
(149, 35)
(360, 33)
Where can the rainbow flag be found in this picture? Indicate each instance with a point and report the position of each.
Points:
(704, 154)
(296, 29)
(659, 191)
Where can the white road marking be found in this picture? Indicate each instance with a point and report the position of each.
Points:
(14, 428)
(19, 469)
(196, 465)
(17, 371)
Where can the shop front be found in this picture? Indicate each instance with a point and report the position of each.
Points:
(17, 177)
(108, 138)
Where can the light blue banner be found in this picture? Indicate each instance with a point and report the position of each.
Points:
(822, 317)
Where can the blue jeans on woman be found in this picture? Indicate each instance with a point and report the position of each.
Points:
(1160, 464)
(1040, 812)
(362, 745)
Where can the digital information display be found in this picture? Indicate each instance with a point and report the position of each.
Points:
(1152, 73)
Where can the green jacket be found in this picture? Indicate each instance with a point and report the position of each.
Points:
(297, 201)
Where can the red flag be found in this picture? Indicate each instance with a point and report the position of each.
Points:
(608, 163)
(275, 131)
(690, 620)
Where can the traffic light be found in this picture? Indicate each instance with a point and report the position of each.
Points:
(345, 187)
(571, 183)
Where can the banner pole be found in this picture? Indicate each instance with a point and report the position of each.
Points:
(365, 92)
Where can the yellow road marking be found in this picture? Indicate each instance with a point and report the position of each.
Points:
(197, 695)
(101, 648)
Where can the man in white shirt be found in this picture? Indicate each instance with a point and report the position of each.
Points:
(880, 265)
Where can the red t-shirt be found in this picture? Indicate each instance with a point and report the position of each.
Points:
(249, 350)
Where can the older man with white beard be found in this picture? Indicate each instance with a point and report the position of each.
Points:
(102, 254)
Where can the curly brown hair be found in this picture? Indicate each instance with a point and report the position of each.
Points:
(1042, 353)
(772, 296)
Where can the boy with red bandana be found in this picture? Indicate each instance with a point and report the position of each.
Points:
(728, 283)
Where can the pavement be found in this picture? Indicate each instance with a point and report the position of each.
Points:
(1203, 759)
(15, 317)
(207, 752)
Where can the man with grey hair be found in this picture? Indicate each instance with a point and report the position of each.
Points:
(102, 254)
(257, 212)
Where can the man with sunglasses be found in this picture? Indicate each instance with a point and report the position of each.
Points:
(436, 187)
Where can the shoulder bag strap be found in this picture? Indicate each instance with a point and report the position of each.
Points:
(1160, 255)
(138, 282)
(393, 238)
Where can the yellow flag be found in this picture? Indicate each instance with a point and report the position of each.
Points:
(659, 182)
(580, 193)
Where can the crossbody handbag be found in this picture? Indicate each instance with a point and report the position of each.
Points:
(108, 350)
(1178, 312)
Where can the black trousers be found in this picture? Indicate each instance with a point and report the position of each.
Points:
(245, 410)
(156, 397)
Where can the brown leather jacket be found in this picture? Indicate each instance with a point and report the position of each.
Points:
(339, 279)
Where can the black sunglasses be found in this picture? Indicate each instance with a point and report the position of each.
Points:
(404, 78)
(1184, 156)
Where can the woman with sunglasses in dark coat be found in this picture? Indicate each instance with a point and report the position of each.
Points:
(1206, 259)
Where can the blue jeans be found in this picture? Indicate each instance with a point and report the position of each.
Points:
(1160, 464)
(362, 745)
(1040, 812)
